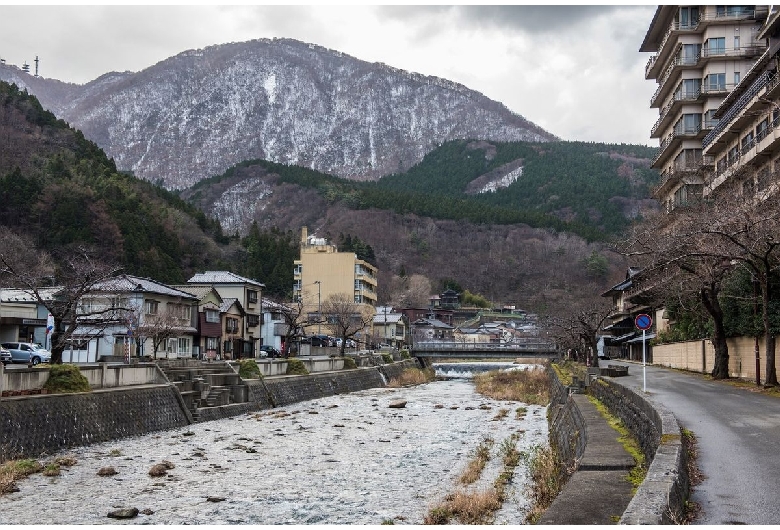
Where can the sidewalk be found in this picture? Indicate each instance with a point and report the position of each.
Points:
(598, 492)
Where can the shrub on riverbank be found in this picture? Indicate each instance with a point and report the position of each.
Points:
(411, 377)
(296, 367)
(387, 358)
(547, 480)
(529, 386)
(248, 369)
(66, 379)
(349, 363)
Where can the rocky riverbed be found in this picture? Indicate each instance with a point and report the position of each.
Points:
(349, 459)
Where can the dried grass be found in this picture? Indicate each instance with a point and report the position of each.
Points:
(477, 464)
(466, 507)
(412, 377)
(528, 386)
(14, 470)
(546, 480)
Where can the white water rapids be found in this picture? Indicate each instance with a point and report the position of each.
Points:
(348, 459)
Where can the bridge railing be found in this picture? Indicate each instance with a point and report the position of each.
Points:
(521, 345)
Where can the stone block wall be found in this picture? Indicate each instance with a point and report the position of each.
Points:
(293, 389)
(35, 425)
(661, 497)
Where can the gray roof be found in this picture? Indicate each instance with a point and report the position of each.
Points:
(200, 291)
(212, 277)
(24, 295)
(227, 303)
(126, 283)
(390, 318)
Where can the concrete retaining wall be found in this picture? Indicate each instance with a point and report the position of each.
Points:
(35, 425)
(661, 497)
(100, 375)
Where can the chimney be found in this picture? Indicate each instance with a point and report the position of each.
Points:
(304, 235)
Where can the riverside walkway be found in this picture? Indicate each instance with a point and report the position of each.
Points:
(737, 432)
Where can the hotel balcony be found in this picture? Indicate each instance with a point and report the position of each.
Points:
(668, 114)
(757, 99)
(678, 63)
(674, 139)
(654, 64)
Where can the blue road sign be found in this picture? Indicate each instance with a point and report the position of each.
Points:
(643, 322)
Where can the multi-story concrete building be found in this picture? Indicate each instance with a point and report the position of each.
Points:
(745, 144)
(323, 271)
(701, 54)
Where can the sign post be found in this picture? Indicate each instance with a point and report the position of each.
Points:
(644, 322)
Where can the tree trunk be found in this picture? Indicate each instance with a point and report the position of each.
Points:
(709, 298)
(769, 339)
(56, 347)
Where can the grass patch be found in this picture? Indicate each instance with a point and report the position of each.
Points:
(500, 415)
(477, 463)
(520, 412)
(568, 370)
(349, 363)
(411, 377)
(66, 379)
(639, 471)
(295, 366)
(691, 509)
(528, 386)
(387, 358)
(547, 480)
(248, 369)
(14, 470)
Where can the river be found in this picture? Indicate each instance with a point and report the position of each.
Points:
(347, 459)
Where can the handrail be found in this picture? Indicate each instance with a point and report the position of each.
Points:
(762, 81)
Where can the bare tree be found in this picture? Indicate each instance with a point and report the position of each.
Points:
(409, 291)
(345, 318)
(293, 316)
(678, 265)
(159, 327)
(578, 328)
(57, 281)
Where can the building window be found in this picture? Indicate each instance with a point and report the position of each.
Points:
(231, 325)
(762, 129)
(251, 296)
(715, 82)
(709, 120)
(252, 320)
(733, 11)
(212, 343)
(736, 42)
(212, 316)
(184, 346)
(688, 89)
(747, 142)
(151, 307)
(736, 78)
(688, 124)
(228, 346)
(689, 17)
(298, 270)
(715, 46)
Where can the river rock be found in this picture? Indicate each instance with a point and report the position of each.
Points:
(215, 499)
(123, 513)
(397, 404)
(106, 471)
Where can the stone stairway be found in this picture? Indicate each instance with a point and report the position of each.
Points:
(205, 384)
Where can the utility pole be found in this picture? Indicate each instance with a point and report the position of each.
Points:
(319, 306)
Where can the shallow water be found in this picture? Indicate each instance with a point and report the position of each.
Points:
(348, 459)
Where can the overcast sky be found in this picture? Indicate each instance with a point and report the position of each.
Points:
(574, 70)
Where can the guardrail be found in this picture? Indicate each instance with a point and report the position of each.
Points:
(529, 346)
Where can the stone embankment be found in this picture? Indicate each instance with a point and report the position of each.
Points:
(38, 424)
(598, 487)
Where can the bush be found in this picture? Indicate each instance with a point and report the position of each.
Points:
(405, 354)
(349, 363)
(387, 358)
(248, 369)
(66, 379)
(296, 367)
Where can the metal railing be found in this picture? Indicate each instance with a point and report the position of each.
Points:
(518, 345)
(764, 80)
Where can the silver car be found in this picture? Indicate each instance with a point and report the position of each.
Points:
(5, 355)
(27, 352)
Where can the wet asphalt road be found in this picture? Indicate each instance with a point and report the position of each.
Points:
(738, 434)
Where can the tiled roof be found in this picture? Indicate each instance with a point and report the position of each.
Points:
(390, 318)
(200, 291)
(23, 295)
(227, 303)
(212, 277)
(126, 283)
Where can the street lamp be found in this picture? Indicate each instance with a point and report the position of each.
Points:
(319, 306)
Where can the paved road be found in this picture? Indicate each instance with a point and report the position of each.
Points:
(738, 433)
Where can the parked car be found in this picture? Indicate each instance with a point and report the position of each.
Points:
(269, 351)
(5, 355)
(322, 340)
(350, 343)
(27, 352)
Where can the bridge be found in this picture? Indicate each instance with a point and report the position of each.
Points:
(486, 350)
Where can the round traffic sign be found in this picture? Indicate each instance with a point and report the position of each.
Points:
(643, 321)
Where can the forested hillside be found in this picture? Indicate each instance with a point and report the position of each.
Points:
(61, 189)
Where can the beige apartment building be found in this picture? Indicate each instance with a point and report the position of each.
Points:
(745, 144)
(323, 271)
(701, 54)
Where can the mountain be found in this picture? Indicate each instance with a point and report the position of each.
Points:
(195, 115)
(61, 189)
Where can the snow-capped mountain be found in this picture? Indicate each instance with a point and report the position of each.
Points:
(196, 114)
